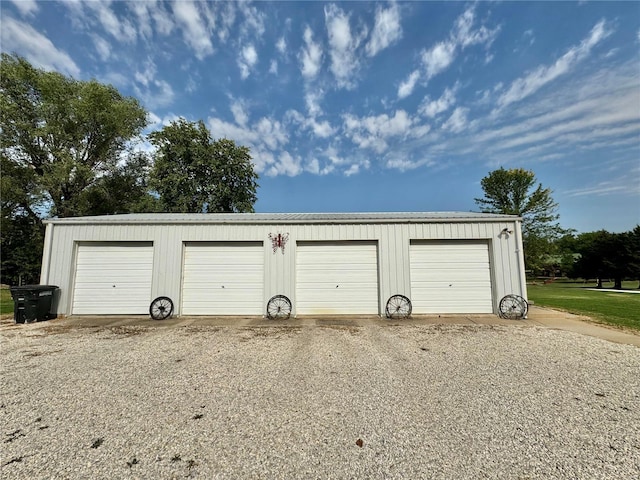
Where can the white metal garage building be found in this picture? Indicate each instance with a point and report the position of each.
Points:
(232, 264)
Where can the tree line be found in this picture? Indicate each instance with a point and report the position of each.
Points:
(67, 148)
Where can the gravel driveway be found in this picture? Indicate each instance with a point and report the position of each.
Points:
(327, 401)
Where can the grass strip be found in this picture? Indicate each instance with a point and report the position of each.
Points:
(614, 308)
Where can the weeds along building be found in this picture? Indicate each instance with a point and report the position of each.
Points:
(233, 264)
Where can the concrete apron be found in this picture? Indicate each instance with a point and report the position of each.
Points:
(550, 318)
(538, 317)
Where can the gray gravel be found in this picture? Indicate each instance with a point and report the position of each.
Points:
(423, 401)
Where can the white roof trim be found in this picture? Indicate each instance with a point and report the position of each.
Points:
(286, 218)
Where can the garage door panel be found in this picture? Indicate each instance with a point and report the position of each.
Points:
(333, 278)
(223, 279)
(113, 279)
(437, 277)
(450, 278)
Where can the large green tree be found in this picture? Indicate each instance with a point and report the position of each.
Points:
(514, 192)
(66, 133)
(64, 146)
(193, 173)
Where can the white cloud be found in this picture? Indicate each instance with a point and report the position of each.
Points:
(286, 164)
(406, 87)
(155, 122)
(271, 132)
(464, 34)
(620, 185)
(438, 58)
(404, 164)
(248, 58)
(265, 138)
(148, 74)
(250, 55)
(192, 84)
(194, 31)
(352, 170)
(320, 129)
(457, 121)
(343, 46)
(23, 39)
(239, 112)
(141, 10)
(419, 131)
(431, 108)
(115, 78)
(157, 94)
(386, 30)
(310, 56)
(119, 28)
(373, 131)
(26, 7)
(153, 91)
(227, 17)
(162, 19)
(532, 82)
(312, 101)
(253, 20)
(242, 135)
(273, 67)
(102, 47)
(314, 167)
(595, 114)
(281, 45)
(441, 56)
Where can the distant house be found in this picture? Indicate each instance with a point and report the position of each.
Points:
(232, 264)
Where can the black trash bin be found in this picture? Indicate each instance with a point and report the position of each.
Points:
(33, 303)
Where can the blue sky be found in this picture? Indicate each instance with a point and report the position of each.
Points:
(360, 106)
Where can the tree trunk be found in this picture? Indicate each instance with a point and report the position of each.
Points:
(599, 285)
(617, 283)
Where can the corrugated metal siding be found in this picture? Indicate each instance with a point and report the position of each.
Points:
(393, 247)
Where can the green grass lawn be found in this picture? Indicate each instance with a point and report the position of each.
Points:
(6, 302)
(621, 309)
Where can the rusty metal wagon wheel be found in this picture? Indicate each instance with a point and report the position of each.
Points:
(398, 306)
(278, 307)
(513, 307)
(161, 308)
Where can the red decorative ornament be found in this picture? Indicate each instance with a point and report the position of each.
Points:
(279, 241)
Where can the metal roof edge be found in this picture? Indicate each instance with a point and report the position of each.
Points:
(285, 218)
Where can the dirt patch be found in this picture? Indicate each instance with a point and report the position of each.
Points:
(249, 333)
(127, 331)
(352, 329)
(60, 329)
(191, 329)
(40, 353)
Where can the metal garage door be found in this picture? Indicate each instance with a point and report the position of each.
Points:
(223, 278)
(337, 278)
(113, 278)
(450, 277)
